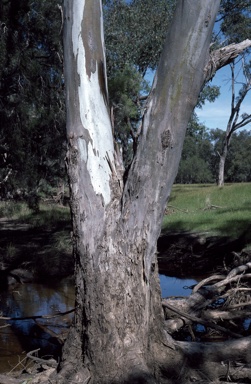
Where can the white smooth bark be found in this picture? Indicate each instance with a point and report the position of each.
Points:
(95, 149)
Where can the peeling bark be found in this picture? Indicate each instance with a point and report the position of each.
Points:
(224, 56)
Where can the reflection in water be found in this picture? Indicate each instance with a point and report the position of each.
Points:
(26, 300)
(172, 286)
(21, 336)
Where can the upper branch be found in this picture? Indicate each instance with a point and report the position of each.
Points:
(223, 56)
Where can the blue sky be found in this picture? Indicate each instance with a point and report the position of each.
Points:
(216, 115)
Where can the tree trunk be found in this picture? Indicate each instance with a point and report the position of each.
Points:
(233, 122)
(118, 334)
(221, 173)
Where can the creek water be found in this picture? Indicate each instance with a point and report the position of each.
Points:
(33, 300)
(21, 336)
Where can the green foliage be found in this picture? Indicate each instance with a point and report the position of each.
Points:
(125, 87)
(200, 157)
(235, 16)
(238, 168)
(10, 209)
(238, 162)
(32, 112)
(211, 210)
(48, 216)
(195, 165)
(134, 36)
(135, 32)
(209, 93)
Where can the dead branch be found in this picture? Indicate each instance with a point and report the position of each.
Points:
(223, 56)
(213, 315)
(244, 304)
(215, 301)
(211, 206)
(51, 362)
(228, 280)
(37, 317)
(206, 281)
(4, 326)
(239, 269)
(201, 321)
(177, 209)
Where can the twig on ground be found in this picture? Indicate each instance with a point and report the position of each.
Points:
(51, 362)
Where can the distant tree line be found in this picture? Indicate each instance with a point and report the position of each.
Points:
(201, 152)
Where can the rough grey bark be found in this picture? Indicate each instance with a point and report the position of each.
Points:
(118, 334)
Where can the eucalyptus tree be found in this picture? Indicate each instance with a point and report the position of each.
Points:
(238, 162)
(235, 27)
(239, 167)
(237, 119)
(118, 335)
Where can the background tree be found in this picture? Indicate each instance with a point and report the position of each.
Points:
(236, 119)
(195, 165)
(32, 112)
(135, 32)
(234, 27)
(237, 165)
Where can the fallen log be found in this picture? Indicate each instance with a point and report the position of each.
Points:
(201, 321)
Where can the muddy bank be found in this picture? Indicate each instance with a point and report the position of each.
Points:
(186, 254)
(34, 254)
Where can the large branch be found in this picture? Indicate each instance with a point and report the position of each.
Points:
(224, 56)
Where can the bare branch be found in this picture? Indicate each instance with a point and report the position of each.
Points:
(224, 56)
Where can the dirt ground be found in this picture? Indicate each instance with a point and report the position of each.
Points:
(186, 254)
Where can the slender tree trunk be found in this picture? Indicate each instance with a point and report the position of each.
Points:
(118, 334)
(234, 123)
(222, 162)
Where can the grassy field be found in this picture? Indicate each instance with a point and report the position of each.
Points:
(210, 209)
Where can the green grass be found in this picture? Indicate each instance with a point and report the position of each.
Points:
(47, 216)
(210, 209)
(13, 210)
